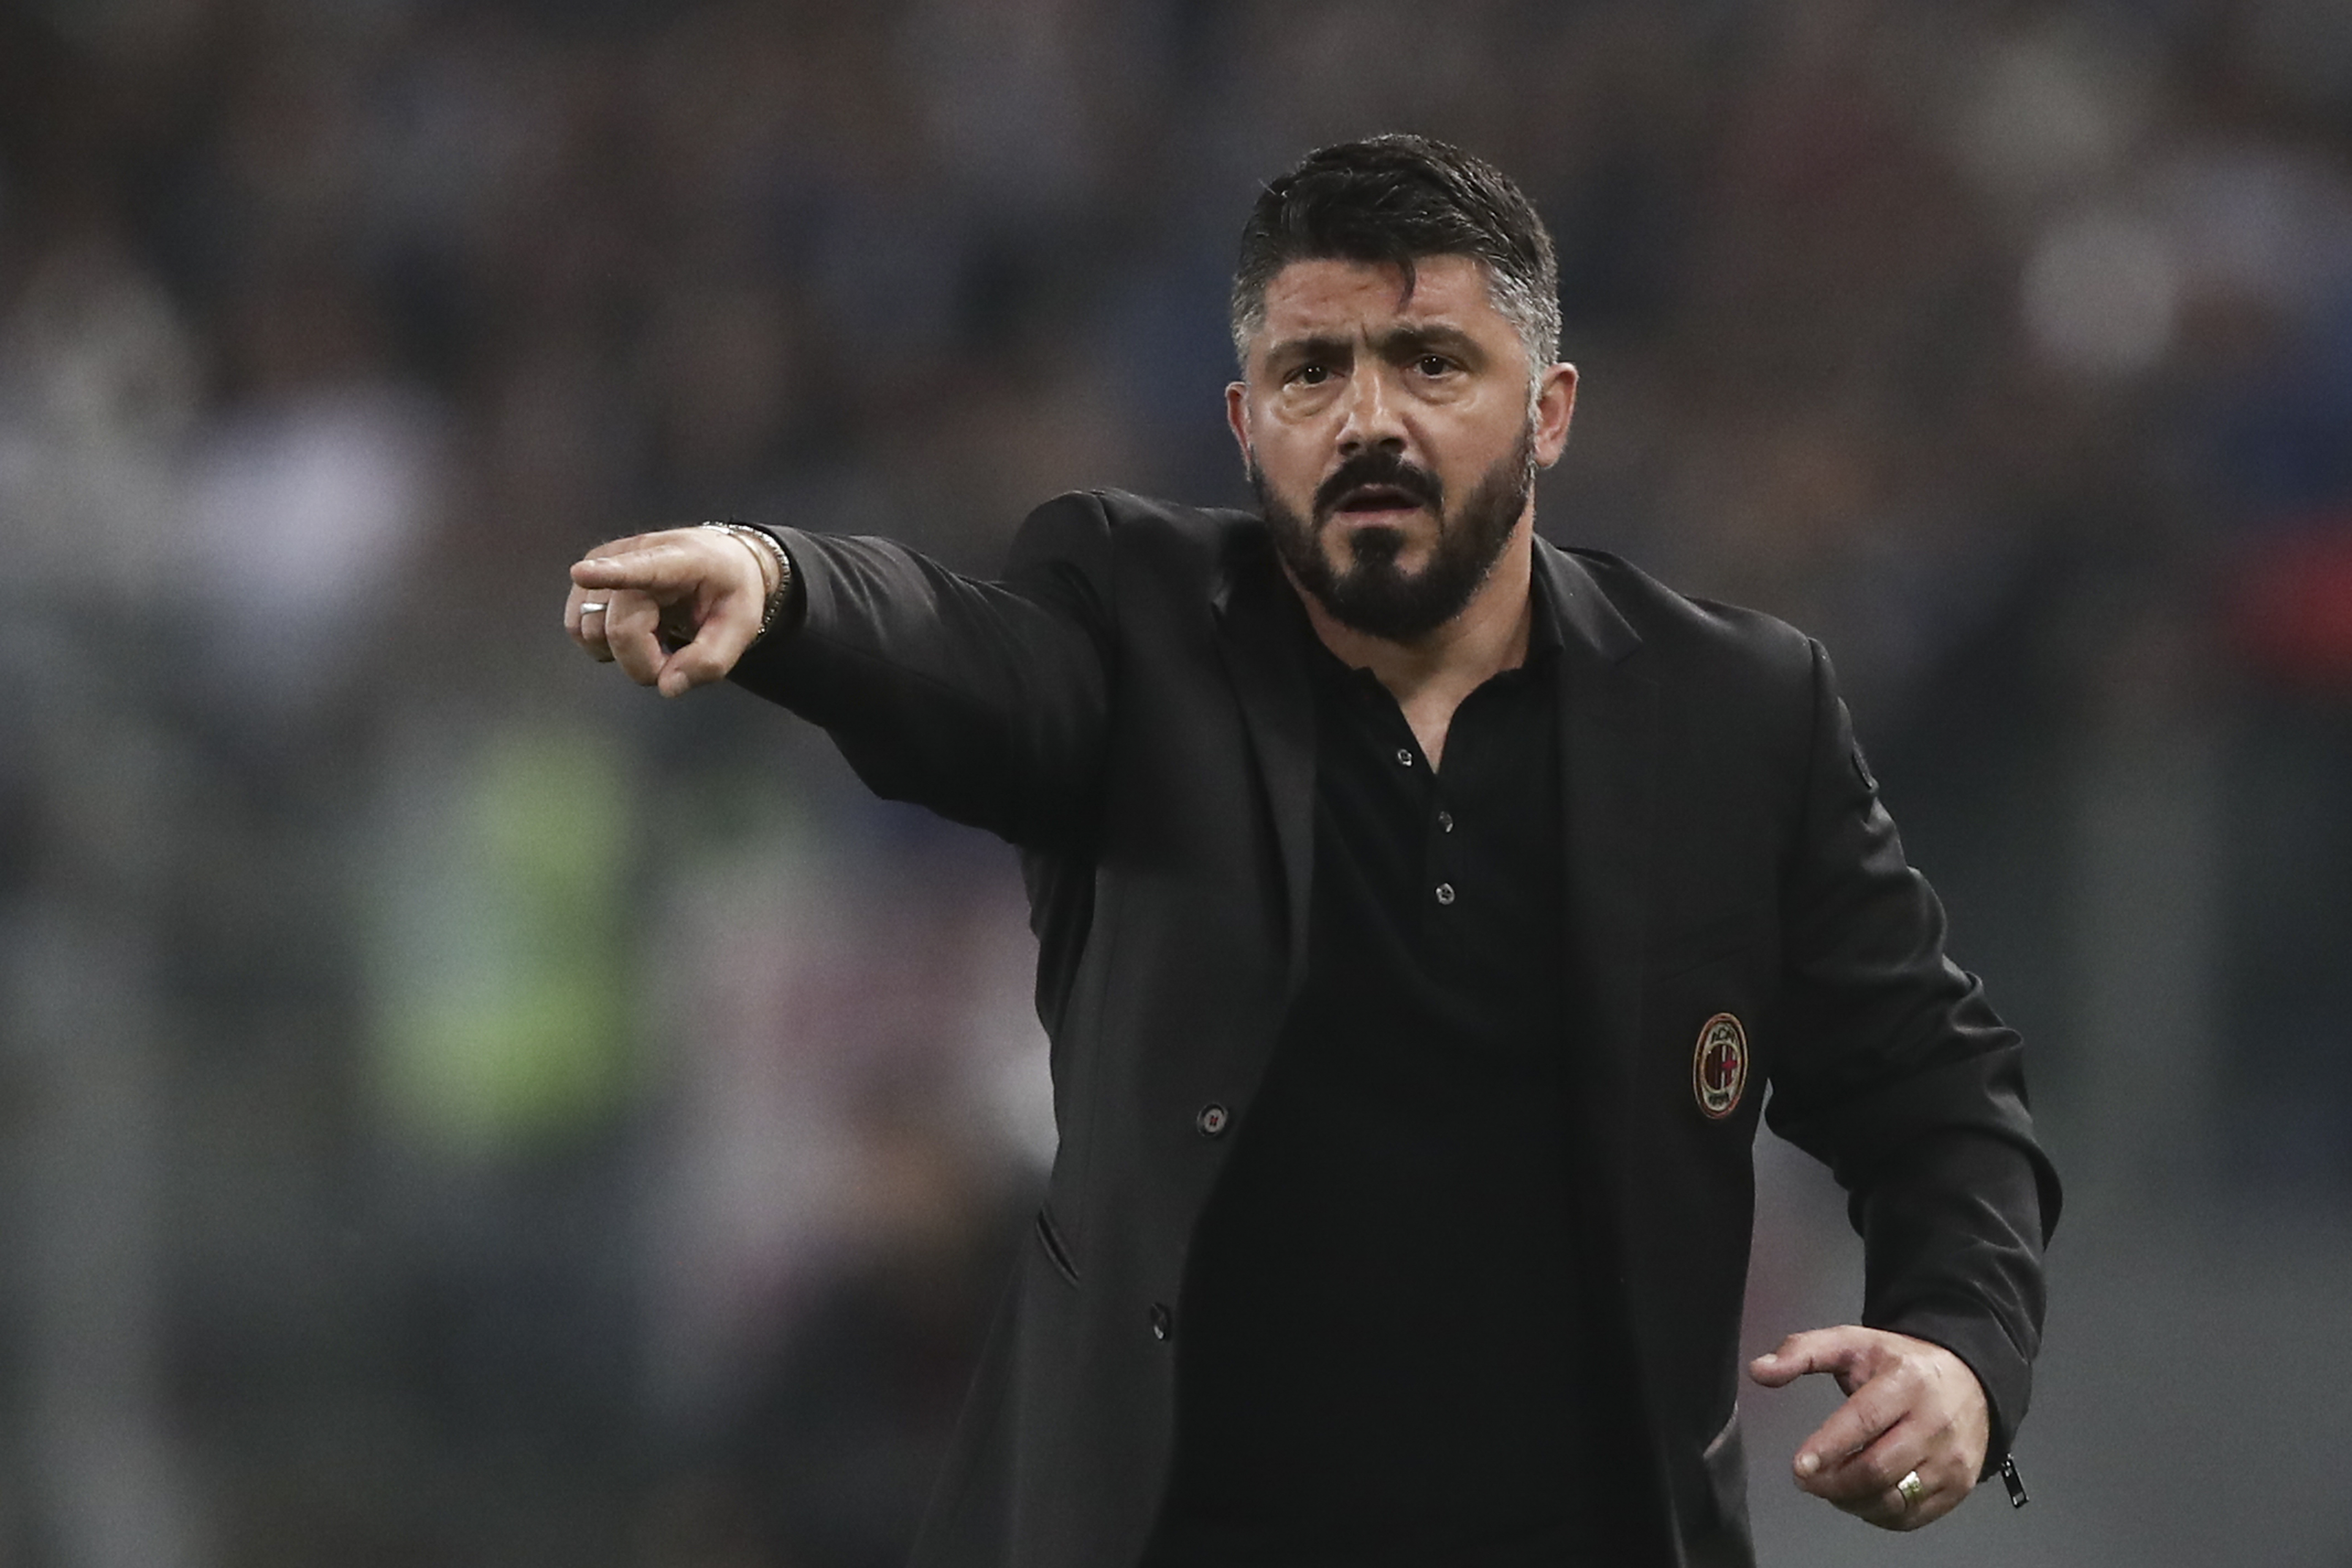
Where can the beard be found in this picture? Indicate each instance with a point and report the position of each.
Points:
(1370, 593)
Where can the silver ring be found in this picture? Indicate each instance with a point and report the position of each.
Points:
(1912, 1487)
(592, 606)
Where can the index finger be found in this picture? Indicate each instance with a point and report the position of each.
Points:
(659, 568)
(616, 546)
(1848, 1351)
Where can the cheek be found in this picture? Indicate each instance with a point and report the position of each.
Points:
(1291, 466)
(1475, 449)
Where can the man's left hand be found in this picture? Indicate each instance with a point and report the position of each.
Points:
(1910, 1406)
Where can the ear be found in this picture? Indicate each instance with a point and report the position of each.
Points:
(1554, 407)
(1237, 416)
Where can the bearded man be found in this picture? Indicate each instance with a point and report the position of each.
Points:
(1423, 911)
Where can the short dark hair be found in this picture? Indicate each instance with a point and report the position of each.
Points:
(1398, 199)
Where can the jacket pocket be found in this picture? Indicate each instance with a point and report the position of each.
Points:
(1057, 1252)
(1725, 1460)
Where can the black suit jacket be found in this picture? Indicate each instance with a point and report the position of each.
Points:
(1126, 706)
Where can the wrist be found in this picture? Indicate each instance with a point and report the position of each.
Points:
(774, 567)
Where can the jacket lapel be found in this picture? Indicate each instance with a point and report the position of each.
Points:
(1257, 636)
(1608, 796)
(1609, 789)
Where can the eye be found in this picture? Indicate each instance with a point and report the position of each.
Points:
(1433, 364)
(1311, 374)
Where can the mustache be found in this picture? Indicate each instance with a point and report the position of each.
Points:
(1378, 467)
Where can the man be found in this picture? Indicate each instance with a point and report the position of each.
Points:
(1423, 912)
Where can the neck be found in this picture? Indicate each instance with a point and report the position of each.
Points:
(1431, 674)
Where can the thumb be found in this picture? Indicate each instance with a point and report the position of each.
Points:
(707, 658)
(717, 643)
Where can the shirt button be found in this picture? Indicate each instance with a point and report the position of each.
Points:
(1444, 821)
(1161, 1324)
(1444, 892)
(1404, 757)
(1211, 1122)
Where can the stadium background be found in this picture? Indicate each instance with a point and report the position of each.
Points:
(455, 1109)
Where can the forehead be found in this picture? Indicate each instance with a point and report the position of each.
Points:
(1325, 298)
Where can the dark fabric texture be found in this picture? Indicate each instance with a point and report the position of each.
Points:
(1383, 1338)
(1130, 705)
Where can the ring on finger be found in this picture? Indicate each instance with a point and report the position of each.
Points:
(1912, 1487)
(593, 607)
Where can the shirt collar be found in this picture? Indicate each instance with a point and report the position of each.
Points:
(1545, 638)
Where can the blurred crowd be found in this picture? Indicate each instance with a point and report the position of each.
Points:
(455, 1109)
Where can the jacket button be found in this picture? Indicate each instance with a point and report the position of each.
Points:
(1160, 1322)
(1212, 1121)
(1446, 892)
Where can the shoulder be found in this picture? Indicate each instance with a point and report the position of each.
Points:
(1094, 528)
(1747, 729)
(1735, 692)
(1141, 519)
(1683, 635)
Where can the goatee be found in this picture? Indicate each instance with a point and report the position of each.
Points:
(1372, 593)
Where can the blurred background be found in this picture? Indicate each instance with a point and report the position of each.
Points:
(458, 1108)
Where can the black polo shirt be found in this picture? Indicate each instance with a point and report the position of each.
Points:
(1381, 1344)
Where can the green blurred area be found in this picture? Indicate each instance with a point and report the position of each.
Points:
(503, 995)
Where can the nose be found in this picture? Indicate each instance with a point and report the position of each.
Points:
(1370, 414)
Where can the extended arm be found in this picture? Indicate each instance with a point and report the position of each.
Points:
(984, 700)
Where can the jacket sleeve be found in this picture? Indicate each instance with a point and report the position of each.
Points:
(985, 701)
(1896, 1072)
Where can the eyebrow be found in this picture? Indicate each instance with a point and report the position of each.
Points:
(1321, 346)
(1406, 340)
(1396, 342)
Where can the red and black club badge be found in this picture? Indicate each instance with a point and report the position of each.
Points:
(1719, 1065)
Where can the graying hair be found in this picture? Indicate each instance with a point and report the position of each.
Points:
(1397, 199)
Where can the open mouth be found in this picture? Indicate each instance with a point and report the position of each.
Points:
(1376, 499)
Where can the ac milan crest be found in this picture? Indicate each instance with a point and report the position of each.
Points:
(1719, 1065)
